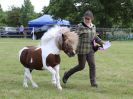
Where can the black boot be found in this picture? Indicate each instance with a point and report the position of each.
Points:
(92, 77)
(65, 78)
(93, 84)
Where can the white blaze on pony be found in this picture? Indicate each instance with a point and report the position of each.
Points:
(46, 56)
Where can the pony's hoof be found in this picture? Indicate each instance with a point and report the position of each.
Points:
(25, 85)
(54, 83)
(60, 88)
(35, 85)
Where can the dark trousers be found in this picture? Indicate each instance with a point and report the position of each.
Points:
(82, 58)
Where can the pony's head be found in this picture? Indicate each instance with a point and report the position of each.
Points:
(69, 41)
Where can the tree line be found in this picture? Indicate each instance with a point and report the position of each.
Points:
(107, 13)
(16, 16)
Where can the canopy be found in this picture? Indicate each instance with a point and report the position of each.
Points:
(43, 20)
(47, 20)
(63, 22)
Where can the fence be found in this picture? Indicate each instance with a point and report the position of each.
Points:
(116, 33)
(104, 33)
(113, 33)
(14, 32)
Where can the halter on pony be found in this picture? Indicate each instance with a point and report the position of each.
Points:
(46, 56)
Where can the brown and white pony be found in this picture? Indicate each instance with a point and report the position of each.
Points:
(46, 56)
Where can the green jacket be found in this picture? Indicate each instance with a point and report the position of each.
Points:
(86, 37)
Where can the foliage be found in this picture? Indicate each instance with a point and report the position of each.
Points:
(2, 17)
(118, 12)
(13, 16)
(27, 12)
(108, 13)
(16, 16)
(63, 9)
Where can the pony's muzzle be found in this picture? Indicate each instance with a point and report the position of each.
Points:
(74, 52)
(71, 54)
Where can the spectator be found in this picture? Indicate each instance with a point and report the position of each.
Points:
(21, 29)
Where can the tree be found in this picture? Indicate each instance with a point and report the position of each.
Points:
(16, 16)
(27, 12)
(117, 12)
(13, 16)
(62, 9)
(2, 17)
(108, 13)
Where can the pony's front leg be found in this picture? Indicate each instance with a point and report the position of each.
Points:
(57, 68)
(54, 79)
(51, 70)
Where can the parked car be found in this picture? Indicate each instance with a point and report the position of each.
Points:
(14, 32)
(6, 31)
(38, 32)
(1, 30)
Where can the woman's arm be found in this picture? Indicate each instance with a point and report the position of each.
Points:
(98, 40)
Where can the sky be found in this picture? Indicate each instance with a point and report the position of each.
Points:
(38, 4)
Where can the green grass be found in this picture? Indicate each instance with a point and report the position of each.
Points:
(114, 74)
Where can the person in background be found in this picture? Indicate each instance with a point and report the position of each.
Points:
(86, 49)
(21, 29)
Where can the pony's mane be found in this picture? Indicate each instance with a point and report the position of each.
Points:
(64, 30)
(50, 34)
(58, 31)
(72, 39)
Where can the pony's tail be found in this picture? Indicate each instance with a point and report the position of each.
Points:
(20, 52)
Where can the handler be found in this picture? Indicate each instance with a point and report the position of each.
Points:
(85, 50)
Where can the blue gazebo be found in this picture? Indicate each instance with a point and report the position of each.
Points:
(43, 20)
(63, 22)
(47, 20)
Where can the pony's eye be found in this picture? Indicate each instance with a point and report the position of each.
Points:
(67, 45)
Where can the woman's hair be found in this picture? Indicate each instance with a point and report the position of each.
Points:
(88, 13)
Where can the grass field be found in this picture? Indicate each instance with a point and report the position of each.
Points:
(114, 74)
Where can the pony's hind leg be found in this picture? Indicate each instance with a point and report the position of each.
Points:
(28, 76)
(25, 80)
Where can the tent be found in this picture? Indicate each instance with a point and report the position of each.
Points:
(43, 20)
(47, 20)
(63, 22)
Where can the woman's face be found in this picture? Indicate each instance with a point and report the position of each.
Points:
(87, 19)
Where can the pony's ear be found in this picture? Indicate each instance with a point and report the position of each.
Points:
(62, 35)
